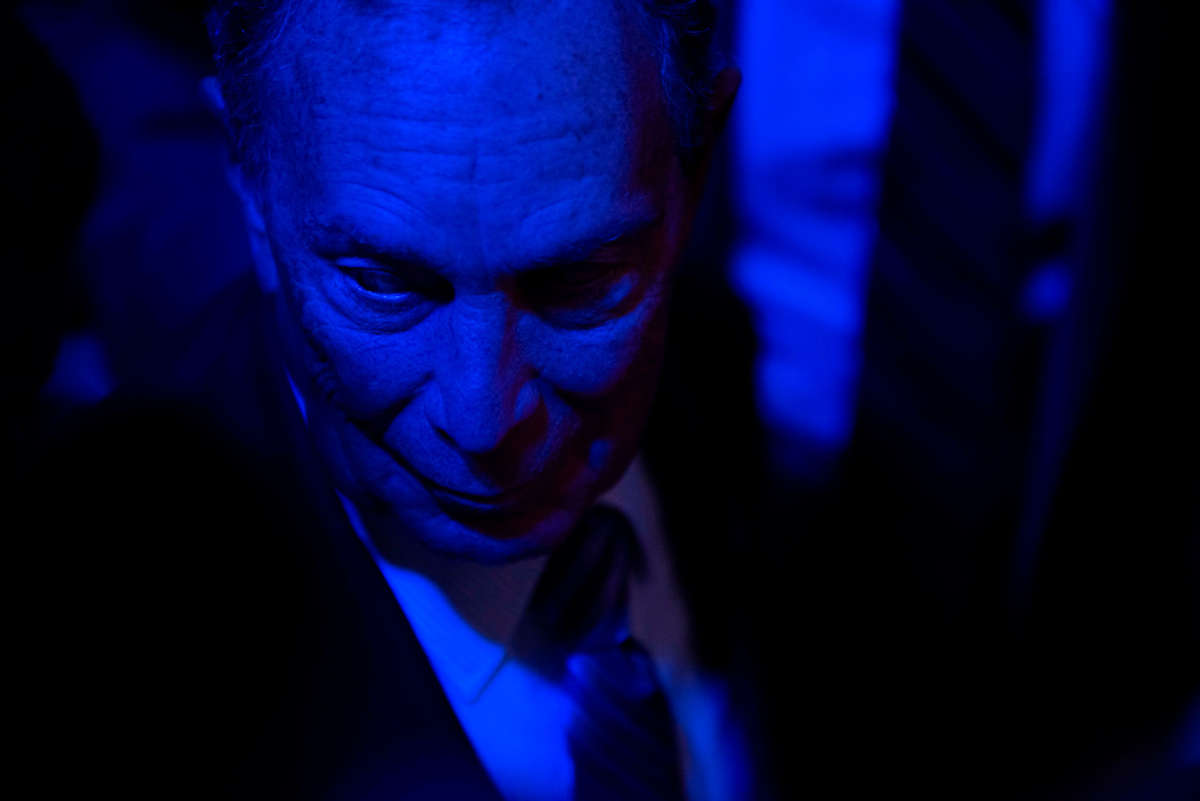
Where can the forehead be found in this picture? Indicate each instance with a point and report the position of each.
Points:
(477, 132)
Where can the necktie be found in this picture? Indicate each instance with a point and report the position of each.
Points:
(946, 393)
(948, 375)
(623, 741)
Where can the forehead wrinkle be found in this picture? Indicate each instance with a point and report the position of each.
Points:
(403, 236)
(394, 114)
(505, 90)
(364, 40)
(377, 133)
(623, 229)
(341, 220)
(373, 113)
(482, 49)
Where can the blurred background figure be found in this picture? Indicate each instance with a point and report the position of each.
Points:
(810, 131)
(148, 603)
(971, 562)
(50, 172)
(161, 236)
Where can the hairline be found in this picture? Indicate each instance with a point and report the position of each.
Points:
(243, 82)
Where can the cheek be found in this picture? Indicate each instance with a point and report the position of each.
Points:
(363, 373)
(601, 361)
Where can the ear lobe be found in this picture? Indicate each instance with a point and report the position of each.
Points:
(245, 191)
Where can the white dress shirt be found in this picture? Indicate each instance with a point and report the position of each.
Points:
(516, 720)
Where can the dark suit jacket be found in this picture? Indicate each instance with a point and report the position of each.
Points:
(217, 628)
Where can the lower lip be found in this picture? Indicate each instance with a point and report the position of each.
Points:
(510, 515)
(504, 504)
(512, 518)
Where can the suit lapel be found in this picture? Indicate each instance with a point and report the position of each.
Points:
(367, 717)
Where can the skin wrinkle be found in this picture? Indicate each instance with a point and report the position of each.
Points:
(532, 219)
(392, 198)
(672, 36)
(488, 360)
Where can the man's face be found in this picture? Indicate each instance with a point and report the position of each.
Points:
(473, 221)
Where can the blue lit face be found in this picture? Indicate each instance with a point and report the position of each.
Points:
(473, 224)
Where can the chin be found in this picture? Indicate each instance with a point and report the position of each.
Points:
(497, 536)
(495, 541)
(400, 504)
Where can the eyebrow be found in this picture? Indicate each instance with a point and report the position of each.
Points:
(342, 234)
(623, 234)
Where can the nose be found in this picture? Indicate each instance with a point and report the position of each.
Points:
(483, 388)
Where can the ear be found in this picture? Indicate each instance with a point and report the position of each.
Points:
(247, 193)
(716, 116)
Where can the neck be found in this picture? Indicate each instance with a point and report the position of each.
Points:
(491, 598)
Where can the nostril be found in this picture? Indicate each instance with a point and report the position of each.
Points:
(526, 403)
(435, 410)
(478, 425)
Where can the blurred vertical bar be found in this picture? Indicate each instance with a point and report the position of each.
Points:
(809, 130)
(1062, 176)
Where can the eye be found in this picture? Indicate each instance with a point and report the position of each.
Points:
(376, 279)
(579, 284)
(581, 295)
(569, 286)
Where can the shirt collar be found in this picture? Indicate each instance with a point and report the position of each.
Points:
(463, 659)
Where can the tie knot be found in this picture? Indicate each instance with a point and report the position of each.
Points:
(575, 629)
(580, 601)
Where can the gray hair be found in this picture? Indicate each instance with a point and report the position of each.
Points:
(243, 32)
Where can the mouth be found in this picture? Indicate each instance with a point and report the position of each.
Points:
(505, 501)
(480, 503)
(503, 514)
